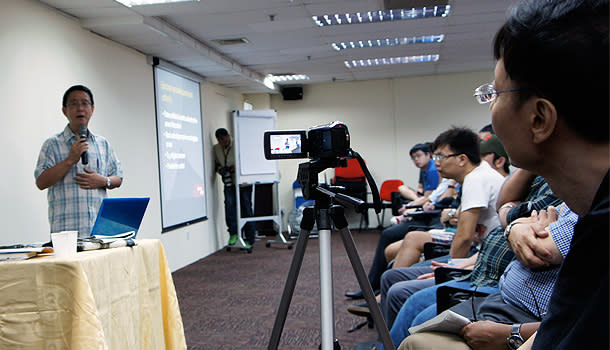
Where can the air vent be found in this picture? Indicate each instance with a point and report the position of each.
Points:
(232, 41)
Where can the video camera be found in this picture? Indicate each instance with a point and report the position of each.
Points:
(328, 141)
(327, 146)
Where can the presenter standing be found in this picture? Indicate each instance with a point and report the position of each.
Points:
(77, 167)
(224, 160)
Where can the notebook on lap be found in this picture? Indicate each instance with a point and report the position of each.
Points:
(119, 217)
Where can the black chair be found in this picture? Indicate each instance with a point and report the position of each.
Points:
(447, 296)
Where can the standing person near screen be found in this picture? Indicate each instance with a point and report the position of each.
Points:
(77, 167)
(224, 160)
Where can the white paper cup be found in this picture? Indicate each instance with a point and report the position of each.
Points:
(64, 242)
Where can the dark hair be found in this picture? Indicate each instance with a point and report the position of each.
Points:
(488, 128)
(461, 141)
(64, 101)
(506, 163)
(221, 132)
(558, 50)
(424, 147)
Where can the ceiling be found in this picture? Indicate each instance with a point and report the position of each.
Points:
(283, 38)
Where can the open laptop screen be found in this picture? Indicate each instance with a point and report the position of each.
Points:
(119, 215)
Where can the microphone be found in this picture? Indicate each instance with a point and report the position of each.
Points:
(82, 133)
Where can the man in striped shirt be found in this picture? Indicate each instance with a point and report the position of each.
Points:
(76, 190)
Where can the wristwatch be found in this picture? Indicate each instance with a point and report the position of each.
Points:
(514, 341)
(108, 184)
(508, 228)
(451, 212)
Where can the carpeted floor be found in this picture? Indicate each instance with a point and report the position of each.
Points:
(229, 300)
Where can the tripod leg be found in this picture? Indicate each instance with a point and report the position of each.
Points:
(350, 247)
(295, 266)
(326, 281)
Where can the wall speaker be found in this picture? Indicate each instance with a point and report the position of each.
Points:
(292, 92)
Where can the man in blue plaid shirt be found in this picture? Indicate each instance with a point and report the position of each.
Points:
(76, 190)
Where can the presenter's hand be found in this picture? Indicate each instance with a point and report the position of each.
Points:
(77, 149)
(90, 180)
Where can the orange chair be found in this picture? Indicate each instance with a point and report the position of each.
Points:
(353, 179)
(385, 193)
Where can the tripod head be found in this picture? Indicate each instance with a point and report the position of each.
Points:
(307, 177)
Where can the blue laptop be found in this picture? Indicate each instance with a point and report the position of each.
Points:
(119, 216)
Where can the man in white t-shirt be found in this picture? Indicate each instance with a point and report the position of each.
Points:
(457, 157)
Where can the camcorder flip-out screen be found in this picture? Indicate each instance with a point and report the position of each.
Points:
(285, 144)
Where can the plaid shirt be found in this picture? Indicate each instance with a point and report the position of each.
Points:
(539, 197)
(71, 207)
(495, 255)
(531, 290)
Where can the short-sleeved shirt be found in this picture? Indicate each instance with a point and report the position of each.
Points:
(578, 311)
(430, 177)
(71, 207)
(480, 190)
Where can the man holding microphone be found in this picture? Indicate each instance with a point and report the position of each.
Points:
(77, 167)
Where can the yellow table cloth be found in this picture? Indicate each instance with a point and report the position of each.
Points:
(117, 298)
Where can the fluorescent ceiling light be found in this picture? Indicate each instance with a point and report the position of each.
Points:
(388, 42)
(130, 3)
(382, 15)
(292, 77)
(370, 62)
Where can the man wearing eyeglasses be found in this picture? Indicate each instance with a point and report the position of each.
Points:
(549, 106)
(76, 183)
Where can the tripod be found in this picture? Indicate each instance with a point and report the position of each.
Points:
(322, 213)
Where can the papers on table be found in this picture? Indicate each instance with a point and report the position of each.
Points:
(103, 241)
(22, 253)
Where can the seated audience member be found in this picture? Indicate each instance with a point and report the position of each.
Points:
(486, 131)
(521, 303)
(492, 151)
(396, 232)
(456, 153)
(428, 175)
(520, 195)
(494, 154)
(549, 107)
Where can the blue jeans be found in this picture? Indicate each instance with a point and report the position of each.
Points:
(421, 306)
(245, 194)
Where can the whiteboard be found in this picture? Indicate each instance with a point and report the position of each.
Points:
(250, 162)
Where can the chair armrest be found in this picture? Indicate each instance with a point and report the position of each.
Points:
(424, 213)
(447, 297)
(444, 274)
(433, 250)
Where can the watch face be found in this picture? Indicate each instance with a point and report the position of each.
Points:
(515, 342)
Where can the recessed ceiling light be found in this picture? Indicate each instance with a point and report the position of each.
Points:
(382, 15)
(130, 3)
(292, 77)
(370, 62)
(388, 42)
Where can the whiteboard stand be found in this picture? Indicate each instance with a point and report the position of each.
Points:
(252, 168)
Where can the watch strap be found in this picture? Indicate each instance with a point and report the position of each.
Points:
(509, 227)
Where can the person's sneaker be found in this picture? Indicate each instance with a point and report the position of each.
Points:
(232, 239)
(359, 310)
(248, 245)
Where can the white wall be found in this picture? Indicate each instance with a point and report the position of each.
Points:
(43, 53)
(385, 119)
